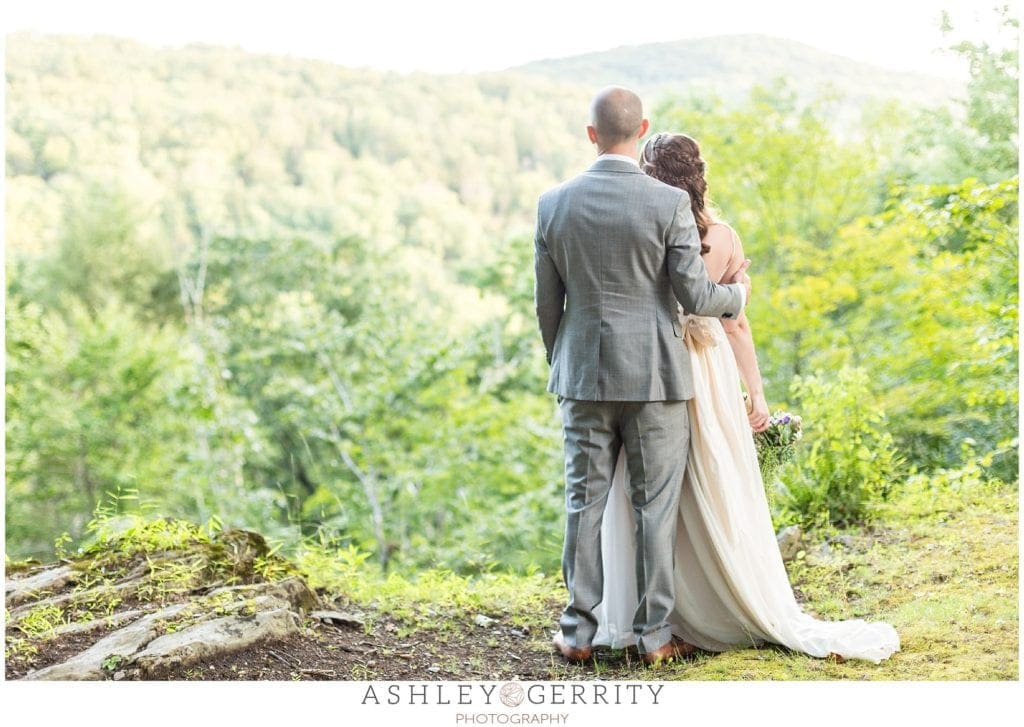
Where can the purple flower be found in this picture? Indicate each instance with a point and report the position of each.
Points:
(785, 419)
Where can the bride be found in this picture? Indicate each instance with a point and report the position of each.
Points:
(731, 588)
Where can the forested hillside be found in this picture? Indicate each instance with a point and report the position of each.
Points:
(284, 295)
(234, 143)
(222, 267)
(728, 66)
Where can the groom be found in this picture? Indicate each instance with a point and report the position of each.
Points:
(614, 250)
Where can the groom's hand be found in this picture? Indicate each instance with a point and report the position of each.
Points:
(741, 277)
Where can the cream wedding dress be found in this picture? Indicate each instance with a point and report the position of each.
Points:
(732, 590)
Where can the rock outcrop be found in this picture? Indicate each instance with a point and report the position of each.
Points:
(139, 614)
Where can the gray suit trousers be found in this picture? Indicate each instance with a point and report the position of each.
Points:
(655, 435)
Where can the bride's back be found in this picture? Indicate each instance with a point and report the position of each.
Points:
(725, 252)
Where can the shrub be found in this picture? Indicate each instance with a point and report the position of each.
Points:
(849, 461)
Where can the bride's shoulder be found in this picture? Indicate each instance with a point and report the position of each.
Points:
(723, 248)
(721, 234)
(721, 228)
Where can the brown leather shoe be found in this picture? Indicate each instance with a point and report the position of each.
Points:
(571, 653)
(676, 648)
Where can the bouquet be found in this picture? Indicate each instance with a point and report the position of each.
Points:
(777, 444)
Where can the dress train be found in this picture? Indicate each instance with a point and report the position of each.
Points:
(732, 589)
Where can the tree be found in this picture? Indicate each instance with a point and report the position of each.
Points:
(90, 412)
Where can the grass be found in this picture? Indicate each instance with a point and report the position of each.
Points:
(940, 565)
(939, 562)
(435, 599)
(42, 620)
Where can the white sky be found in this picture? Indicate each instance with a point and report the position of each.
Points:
(460, 35)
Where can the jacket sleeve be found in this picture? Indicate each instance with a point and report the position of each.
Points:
(690, 283)
(548, 291)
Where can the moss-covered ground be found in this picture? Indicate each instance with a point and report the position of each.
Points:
(939, 562)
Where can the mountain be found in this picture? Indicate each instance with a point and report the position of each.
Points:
(243, 144)
(729, 65)
(270, 146)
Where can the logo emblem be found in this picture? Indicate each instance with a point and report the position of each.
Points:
(511, 694)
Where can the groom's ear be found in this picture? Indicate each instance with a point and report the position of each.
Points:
(644, 126)
(592, 134)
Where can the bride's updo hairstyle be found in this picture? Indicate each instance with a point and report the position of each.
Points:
(675, 159)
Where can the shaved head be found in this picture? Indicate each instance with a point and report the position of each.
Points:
(616, 114)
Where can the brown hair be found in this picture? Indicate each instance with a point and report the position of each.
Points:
(675, 159)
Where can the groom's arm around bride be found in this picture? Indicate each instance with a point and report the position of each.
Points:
(615, 249)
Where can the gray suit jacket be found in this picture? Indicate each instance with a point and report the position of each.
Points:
(614, 250)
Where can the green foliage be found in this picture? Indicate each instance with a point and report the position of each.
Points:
(776, 446)
(783, 177)
(380, 417)
(89, 411)
(991, 106)
(778, 169)
(112, 662)
(139, 532)
(434, 598)
(939, 495)
(41, 620)
(222, 142)
(849, 461)
(979, 137)
(175, 555)
(103, 252)
(257, 292)
(914, 284)
(960, 320)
